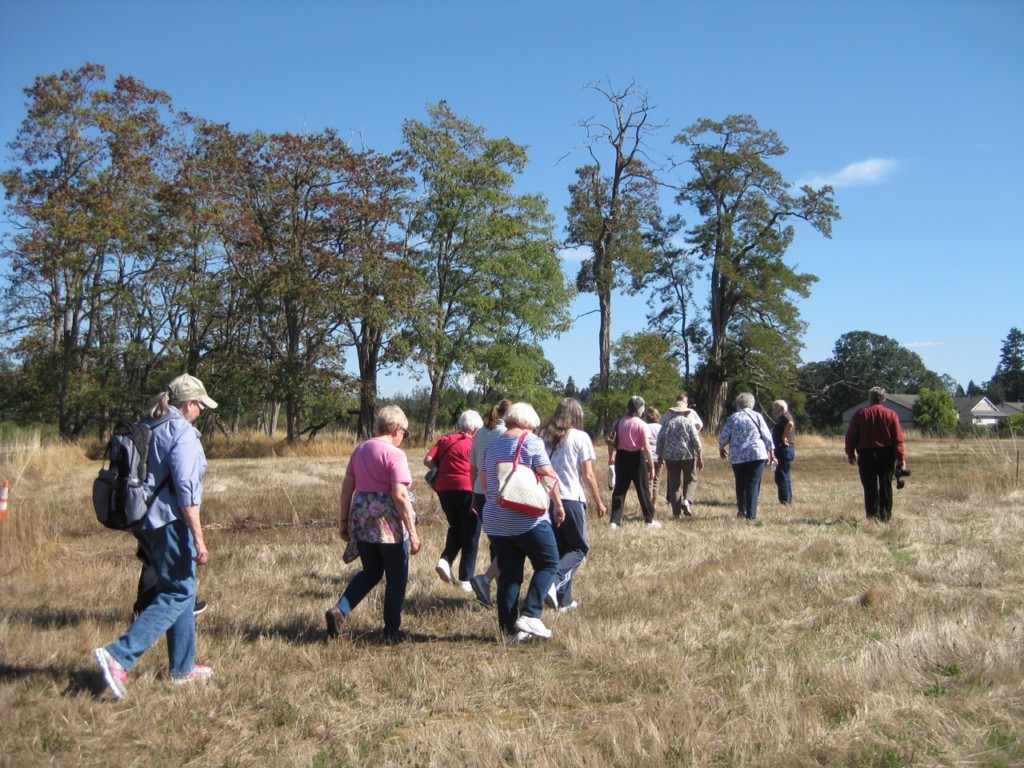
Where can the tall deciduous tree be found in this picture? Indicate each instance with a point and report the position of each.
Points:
(81, 198)
(672, 299)
(745, 207)
(861, 360)
(613, 205)
(385, 284)
(487, 255)
(285, 199)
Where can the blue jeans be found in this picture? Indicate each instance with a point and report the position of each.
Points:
(748, 486)
(463, 531)
(785, 455)
(539, 545)
(573, 547)
(390, 561)
(169, 550)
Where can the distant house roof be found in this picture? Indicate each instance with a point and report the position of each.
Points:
(977, 410)
(1009, 409)
(902, 405)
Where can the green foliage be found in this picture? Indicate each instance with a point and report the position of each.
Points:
(745, 205)
(861, 360)
(613, 211)
(1007, 385)
(934, 410)
(1013, 425)
(486, 256)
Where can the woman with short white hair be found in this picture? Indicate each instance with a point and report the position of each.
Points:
(454, 488)
(747, 442)
(516, 536)
(377, 513)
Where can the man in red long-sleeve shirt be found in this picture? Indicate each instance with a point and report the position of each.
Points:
(877, 438)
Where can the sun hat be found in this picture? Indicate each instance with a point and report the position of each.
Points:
(186, 387)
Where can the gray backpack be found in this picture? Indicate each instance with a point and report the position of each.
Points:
(118, 492)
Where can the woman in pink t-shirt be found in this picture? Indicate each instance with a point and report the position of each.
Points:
(631, 455)
(376, 512)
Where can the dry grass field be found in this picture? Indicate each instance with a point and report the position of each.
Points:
(812, 639)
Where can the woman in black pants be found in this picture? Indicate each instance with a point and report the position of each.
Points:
(630, 453)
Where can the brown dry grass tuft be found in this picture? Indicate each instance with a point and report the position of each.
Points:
(813, 639)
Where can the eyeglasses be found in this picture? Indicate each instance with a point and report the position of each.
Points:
(201, 406)
(405, 433)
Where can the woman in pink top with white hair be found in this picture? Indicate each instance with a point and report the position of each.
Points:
(631, 454)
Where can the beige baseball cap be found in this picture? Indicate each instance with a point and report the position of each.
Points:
(187, 387)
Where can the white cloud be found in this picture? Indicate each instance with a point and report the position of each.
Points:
(576, 254)
(923, 344)
(874, 170)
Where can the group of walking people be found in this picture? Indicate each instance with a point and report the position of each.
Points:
(378, 521)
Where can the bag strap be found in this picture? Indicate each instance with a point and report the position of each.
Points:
(451, 444)
(519, 447)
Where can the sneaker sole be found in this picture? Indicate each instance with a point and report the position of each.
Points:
(482, 597)
(103, 659)
(334, 622)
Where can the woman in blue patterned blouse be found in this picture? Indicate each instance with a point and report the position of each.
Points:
(750, 448)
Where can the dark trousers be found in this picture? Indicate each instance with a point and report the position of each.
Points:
(573, 547)
(876, 466)
(785, 455)
(463, 531)
(631, 467)
(380, 561)
(537, 544)
(748, 486)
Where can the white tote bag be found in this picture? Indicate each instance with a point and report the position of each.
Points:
(520, 488)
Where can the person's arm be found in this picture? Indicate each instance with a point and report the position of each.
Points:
(555, 493)
(428, 460)
(400, 497)
(699, 448)
(787, 433)
(590, 481)
(348, 489)
(851, 438)
(900, 453)
(191, 517)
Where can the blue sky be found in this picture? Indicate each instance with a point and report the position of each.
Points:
(912, 110)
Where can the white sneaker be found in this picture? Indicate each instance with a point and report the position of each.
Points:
(687, 508)
(613, 526)
(465, 586)
(654, 524)
(570, 607)
(533, 626)
(444, 570)
(551, 598)
(518, 637)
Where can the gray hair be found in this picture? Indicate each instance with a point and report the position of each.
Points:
(781, 405)
(876, 395)
(744, 400)
(389, 418)
(636, 405)
(521, 415)
(470, 421)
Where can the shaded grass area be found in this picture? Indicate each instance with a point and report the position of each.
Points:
(814, 639)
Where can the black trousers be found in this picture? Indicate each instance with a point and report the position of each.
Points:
(631, 468)
(876, 466)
